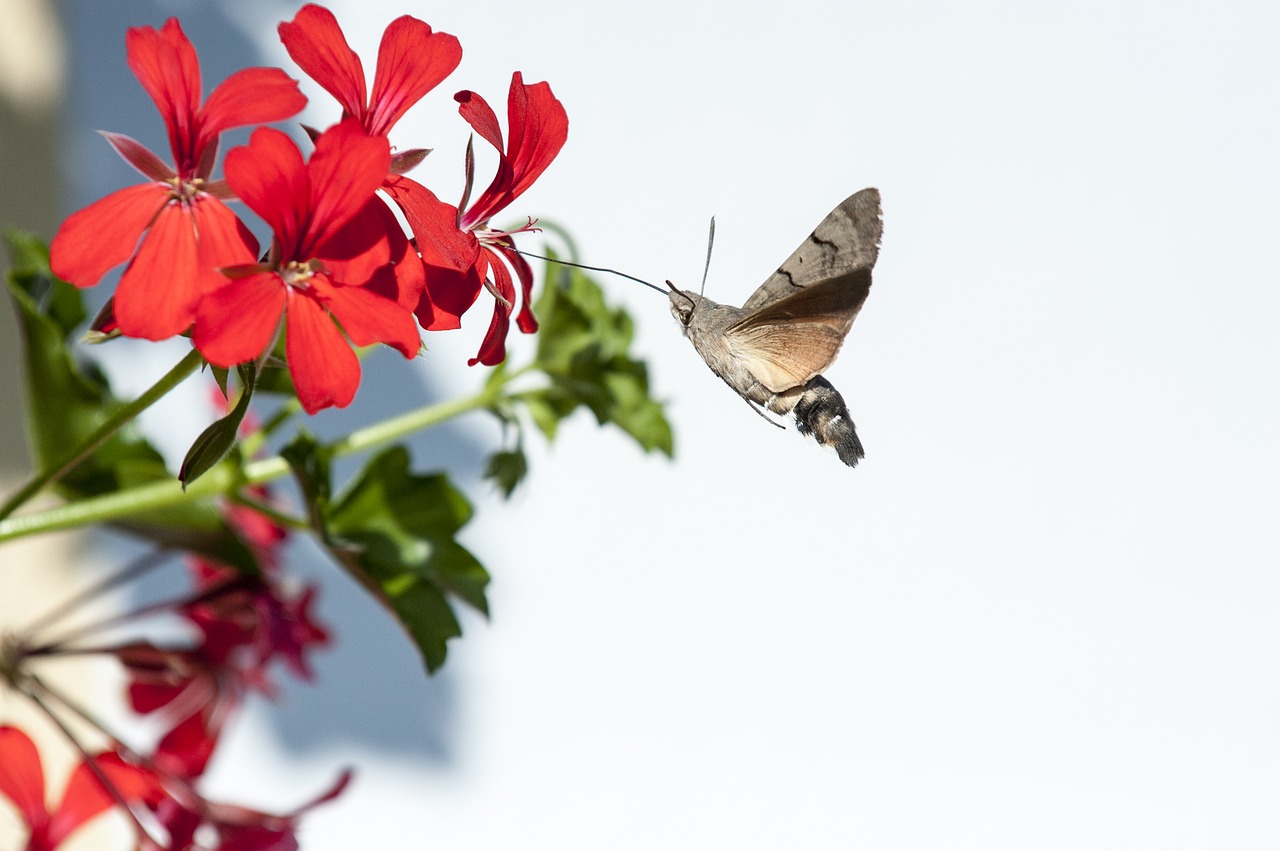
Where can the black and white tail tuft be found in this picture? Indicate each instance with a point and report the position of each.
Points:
(822, 413)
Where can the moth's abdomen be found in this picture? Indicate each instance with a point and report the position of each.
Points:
(821, 412)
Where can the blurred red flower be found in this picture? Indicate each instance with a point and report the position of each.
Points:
(22, 782)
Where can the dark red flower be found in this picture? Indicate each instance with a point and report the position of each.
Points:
(22, 782)
(174, 227)
(245, 623)
(236, 828)
(197, 697)
(331, 259)
(537, 126)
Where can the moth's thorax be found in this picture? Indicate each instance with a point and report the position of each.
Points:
(705, 327)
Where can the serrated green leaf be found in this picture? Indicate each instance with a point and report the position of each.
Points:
(584, 350)
(395, 531)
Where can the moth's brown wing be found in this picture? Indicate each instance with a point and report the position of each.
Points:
(787, 343)
(847, 239)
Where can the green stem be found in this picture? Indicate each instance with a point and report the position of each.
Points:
(225, 479)
(270, 512)
(103, 433)
(411, 422)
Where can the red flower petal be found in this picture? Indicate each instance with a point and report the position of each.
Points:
(236, 323)
(538, 127)
(493, 349)
(324, 369)
(249, 96)
(447, 296)
(363, 245)
(158, 292)
(369, 318)
(525, 320)
(21, 776)
(224, 242)
(104, 234)
(185, 750)
(480, 116)
(412, 60)
(315, 42)
(269, 175)
(434, 224)
(165, 62)
(300, 634)
(85, 796)
(389, 266)
(346, 168)
(410, 277)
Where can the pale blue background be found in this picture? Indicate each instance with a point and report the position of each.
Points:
(1041, 615)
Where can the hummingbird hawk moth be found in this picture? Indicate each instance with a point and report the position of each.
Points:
(773, 350)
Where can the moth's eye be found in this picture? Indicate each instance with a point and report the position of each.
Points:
(681, 309)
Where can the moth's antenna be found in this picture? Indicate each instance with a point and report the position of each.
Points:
(593, 269)
(711, 239)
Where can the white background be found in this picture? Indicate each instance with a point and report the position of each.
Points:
(1041, 614)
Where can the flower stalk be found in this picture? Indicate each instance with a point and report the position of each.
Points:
(225, 479)
(113, 423)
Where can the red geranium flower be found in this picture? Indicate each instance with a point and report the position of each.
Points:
(412, 60)
(22, 782)
(332, 257)
(538, 127)
(186, 231)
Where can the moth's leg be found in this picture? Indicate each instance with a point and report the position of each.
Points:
(753, 406)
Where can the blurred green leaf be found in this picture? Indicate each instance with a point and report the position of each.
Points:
(310, 464)
(394, 531)
(507, 469)
(65, 402)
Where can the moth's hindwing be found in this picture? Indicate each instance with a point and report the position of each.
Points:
(795, 339)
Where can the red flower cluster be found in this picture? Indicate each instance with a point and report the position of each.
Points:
(339, 270)
(105, 780)
(244, 624)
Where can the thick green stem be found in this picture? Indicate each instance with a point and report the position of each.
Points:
(225, 478)
(102, 433)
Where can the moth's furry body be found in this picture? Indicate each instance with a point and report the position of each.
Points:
(774, 349)
(708, 337)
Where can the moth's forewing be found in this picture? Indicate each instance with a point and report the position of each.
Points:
(847, 239)
(794, 339)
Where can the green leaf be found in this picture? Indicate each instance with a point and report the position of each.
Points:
(507, 469)
(394, 530)
(310, 464)
(584, 350)
(65, 402)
